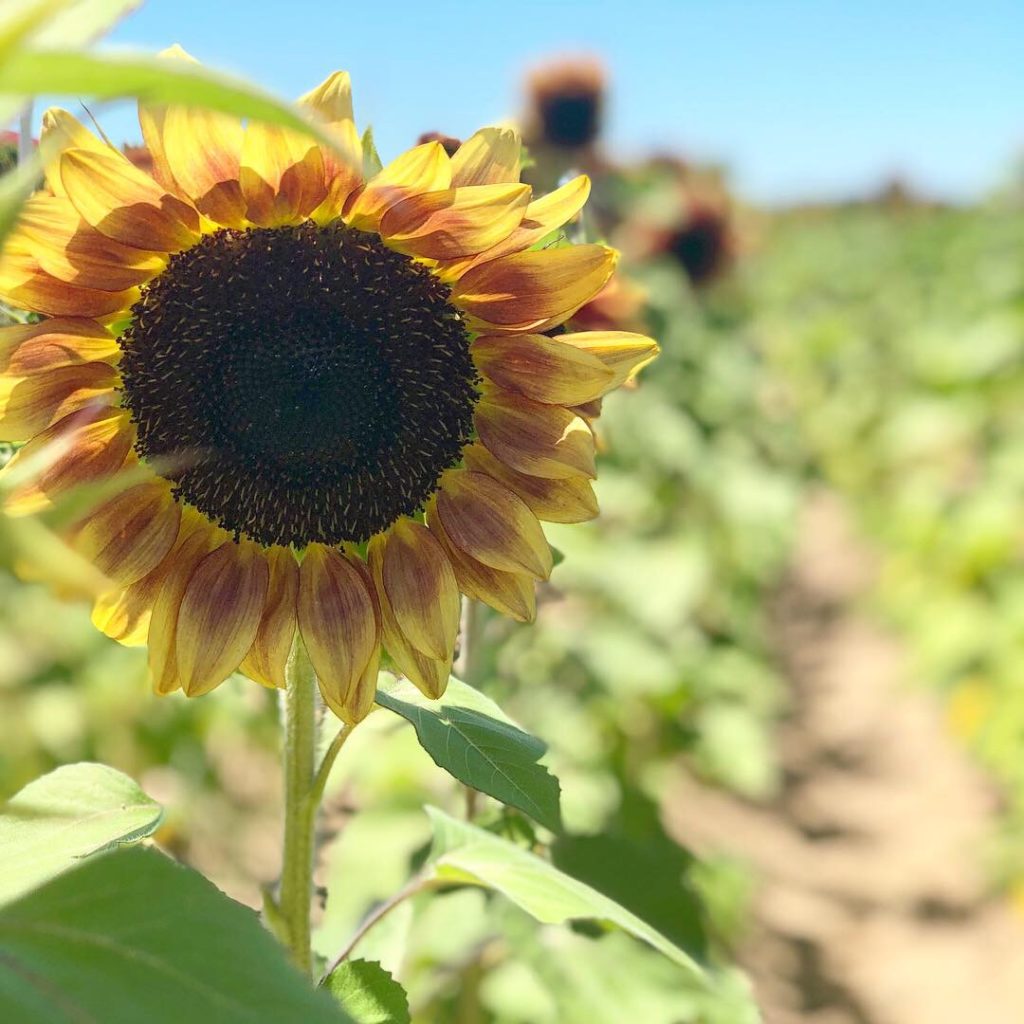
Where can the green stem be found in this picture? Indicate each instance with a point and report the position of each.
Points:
(300, 806)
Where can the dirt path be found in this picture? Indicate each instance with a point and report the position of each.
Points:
(872, 905)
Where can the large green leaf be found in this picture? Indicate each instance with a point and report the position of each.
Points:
(81, 22)
(152, 79)
(465, 853)
(56, 820)
(132, 936)
(469, 736)
(368, 993)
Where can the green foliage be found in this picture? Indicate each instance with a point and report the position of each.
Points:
(464, 853)
(368, 993)
(55, 821)
(132, 936)
(469, 736)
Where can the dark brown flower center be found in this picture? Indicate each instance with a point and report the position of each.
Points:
(299, 384)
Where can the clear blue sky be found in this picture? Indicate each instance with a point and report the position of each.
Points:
(810, 98)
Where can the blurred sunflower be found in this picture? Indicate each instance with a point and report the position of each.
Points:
(336, 394)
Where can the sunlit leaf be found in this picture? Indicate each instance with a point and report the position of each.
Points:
(368, 993)
(155, 80)
(131, 936)
(55, 821)
(465, 853)
(469, 736)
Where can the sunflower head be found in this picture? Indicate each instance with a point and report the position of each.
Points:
(449, 142)
(336, 395)
(566, 103)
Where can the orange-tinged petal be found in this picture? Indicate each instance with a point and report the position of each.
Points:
(340, 626)
(542, 368)
(71, 250)
(510, 593)
(455, 221)
(281, 174)
(487, 157)
(429, 674)
(31, 404)
(623, 352)
(492, 524)
(25, 284)
(424, 168)
(536, 439)
(330, 104)
(125, 204)
(125, 613)
(63, 131)
(220, 613)
(542, 216)
(202, 150)
(268, 656)
(533, 290)
(87, 447)
(196, 539)
(570, 500)
(33, 348)
(421, 589)
(129, 535)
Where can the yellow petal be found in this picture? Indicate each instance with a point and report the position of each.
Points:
(125, 613)
(25, 284)
(542, 216)
(533, 290)
(202, 150)
(330, 104)
(570, 500)
(487, 157)
(492, 524)
(421, 589)
(536, 439)
(219, 615)
(622, 352)
(31, 404)
(129, 535)
(424, 168)
(455, 221)
(281, 174)
(196, 539)
(63, 131)
(268, 656)
(73, 251)
(125, 204)
(33, 348)
(429, 674)
(87, 447)
(510, 593)
(340, 626)
(544, 369)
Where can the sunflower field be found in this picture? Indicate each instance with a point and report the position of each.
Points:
(318, 436)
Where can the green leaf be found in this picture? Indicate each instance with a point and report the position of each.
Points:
(465, 853)
(646, 876)
(82, 22)
(56, 820)
(371, 158)
(471, 738)
(152, 79)
(368, 993)
(132, 936)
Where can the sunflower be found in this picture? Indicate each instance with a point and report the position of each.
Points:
(333, 392)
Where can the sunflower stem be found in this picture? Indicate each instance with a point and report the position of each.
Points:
(300, 805)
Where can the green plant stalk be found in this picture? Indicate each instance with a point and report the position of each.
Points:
(300, 806)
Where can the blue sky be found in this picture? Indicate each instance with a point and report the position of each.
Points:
(800, 99)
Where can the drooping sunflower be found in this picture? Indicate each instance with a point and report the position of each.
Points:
(335, 393)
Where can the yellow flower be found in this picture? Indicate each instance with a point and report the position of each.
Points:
(337, 395)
